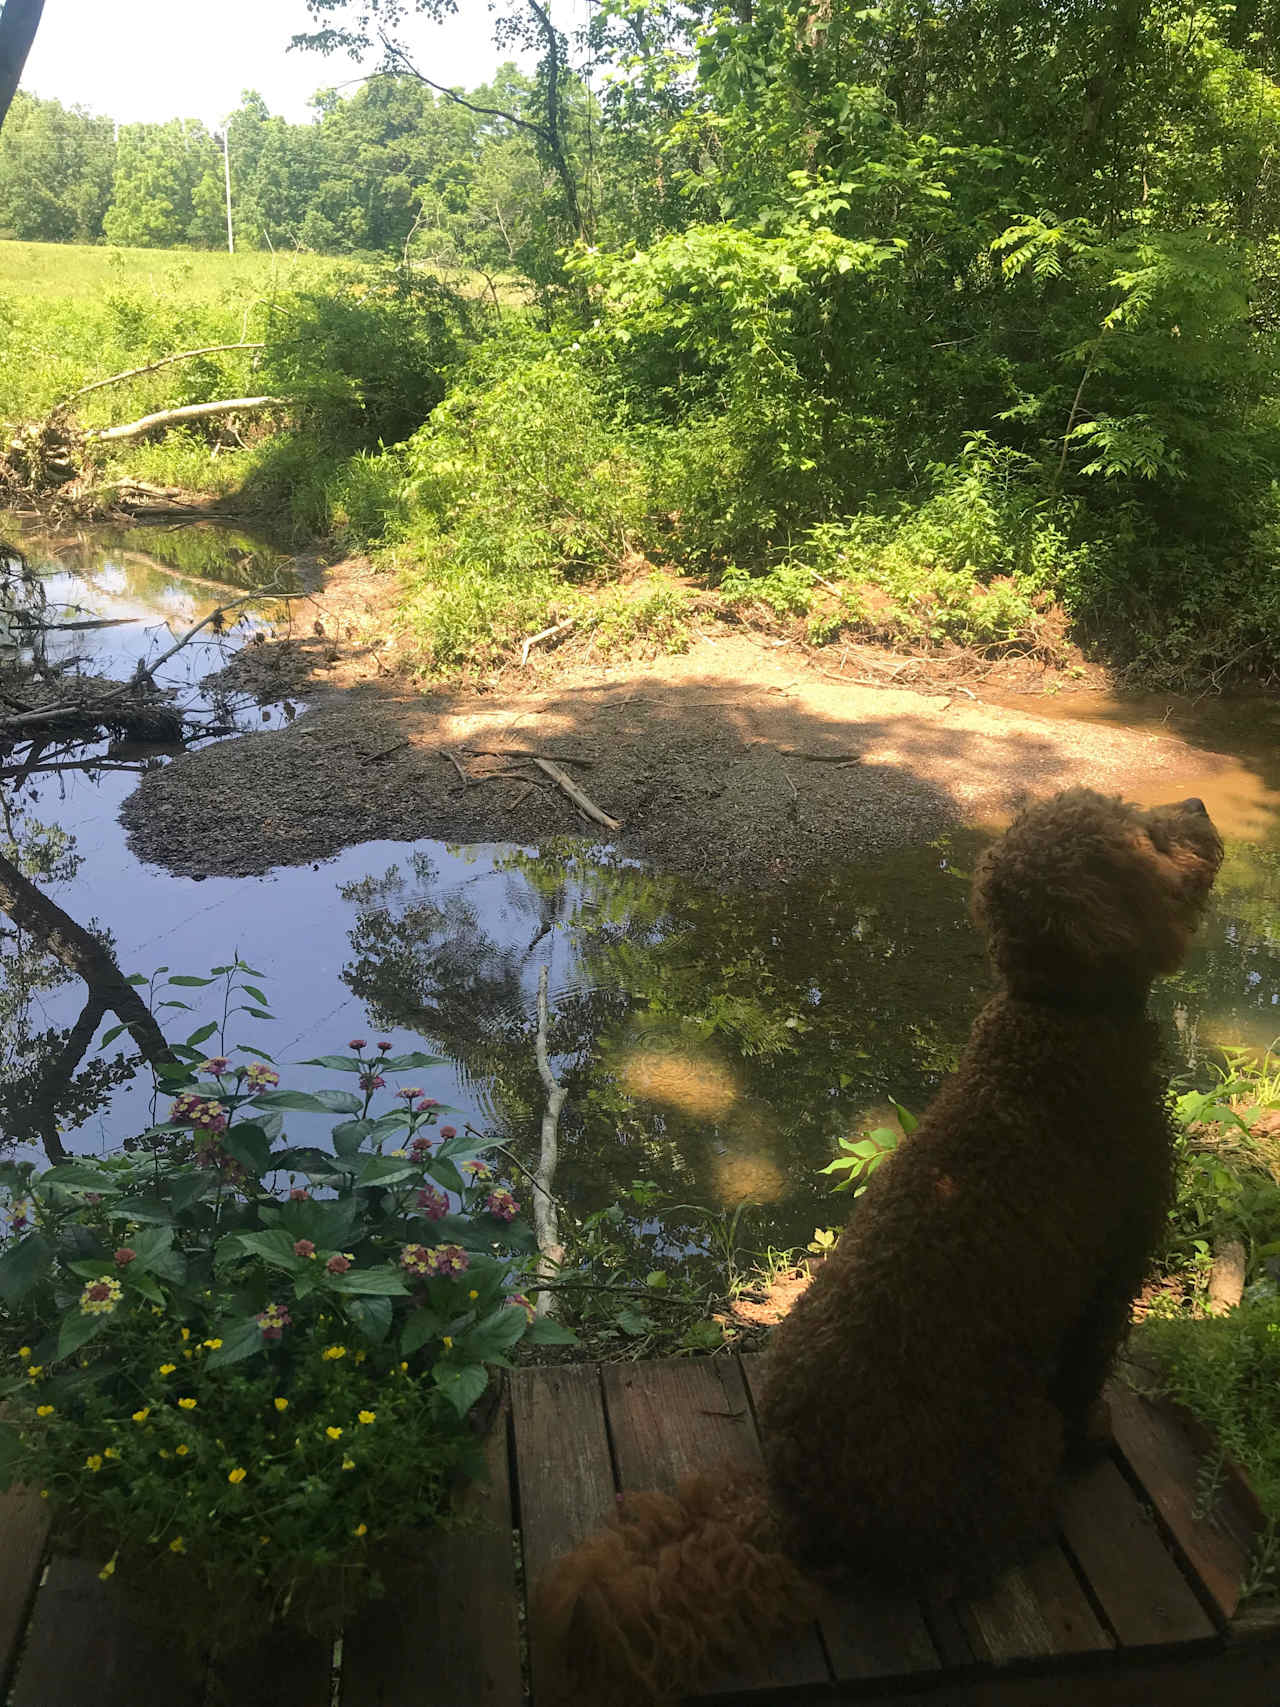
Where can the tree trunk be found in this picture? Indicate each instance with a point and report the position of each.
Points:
(81, 952)
(18, 24)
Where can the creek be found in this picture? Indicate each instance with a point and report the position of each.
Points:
(714, 1042)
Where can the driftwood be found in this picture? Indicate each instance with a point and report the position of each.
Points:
(188, 412)
(546, 1219)
(1226, 1281)
(579, 799)
(150, 367)
(546, 634)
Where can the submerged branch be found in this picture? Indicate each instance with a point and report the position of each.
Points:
(546, 1219)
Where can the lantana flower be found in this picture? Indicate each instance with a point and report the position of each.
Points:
(100, 1297)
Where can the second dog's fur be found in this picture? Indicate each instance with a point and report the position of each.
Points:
(923, 1393)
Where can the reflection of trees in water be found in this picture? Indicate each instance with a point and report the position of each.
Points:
(46, 1085)
(715, 1042)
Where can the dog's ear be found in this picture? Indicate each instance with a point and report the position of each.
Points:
(1055, 916)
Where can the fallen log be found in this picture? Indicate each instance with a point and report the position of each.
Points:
(150, 367)
(188, 412)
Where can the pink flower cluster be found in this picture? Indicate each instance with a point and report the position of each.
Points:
(203, 1113)
(124, 1256)
(421, 1262)
(433, 1204)
(478, 1170)
(261, 1076)
(371, 1081)
(273, 1321)
(503, 1205)
(216, 1064)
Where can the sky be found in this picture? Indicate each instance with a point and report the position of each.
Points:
(158, 59)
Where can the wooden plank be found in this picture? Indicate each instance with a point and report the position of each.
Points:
(285, 1669)
(1036, 1611)
(866, 1635)
(24, 1529)
(83, 1646)
(1143, 1595)
(1166, 1460)
(438, 1658)
(671, 1419)
(563, 1468)
(564, 1471)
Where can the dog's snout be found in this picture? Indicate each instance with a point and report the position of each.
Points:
(1193, 803)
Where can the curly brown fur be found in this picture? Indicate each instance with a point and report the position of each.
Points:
(923, 1393)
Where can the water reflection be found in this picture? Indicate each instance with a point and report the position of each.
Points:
(714, 1041)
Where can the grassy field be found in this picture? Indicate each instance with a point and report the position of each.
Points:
(74, 272)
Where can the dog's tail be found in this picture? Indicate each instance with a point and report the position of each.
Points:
(673, 1587)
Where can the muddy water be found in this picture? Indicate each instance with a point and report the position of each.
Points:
(714, 1042)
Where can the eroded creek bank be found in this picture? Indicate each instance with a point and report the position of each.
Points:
(773, 943)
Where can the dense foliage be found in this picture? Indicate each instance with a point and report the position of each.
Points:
(928, 323)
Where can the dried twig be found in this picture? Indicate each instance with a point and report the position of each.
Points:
(546, 634)
(579, 799)
(188, 412)
(455, 762)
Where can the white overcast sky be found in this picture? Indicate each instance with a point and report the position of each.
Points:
(159, 59)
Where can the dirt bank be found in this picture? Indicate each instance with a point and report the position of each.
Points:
(736, 762)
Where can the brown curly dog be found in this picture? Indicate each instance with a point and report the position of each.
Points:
(924, 1392)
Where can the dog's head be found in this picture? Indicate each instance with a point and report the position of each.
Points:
(1089, 899)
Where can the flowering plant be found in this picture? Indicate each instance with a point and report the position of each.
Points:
(253, 1361)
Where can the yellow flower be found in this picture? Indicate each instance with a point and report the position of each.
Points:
(397, 1153)
(236, 1475)
(211, 1345)
(331, 1352)
(186, 1333)
(44, 1493)
(167, 1368)
(182, 1451)
(334, 1433)
(281, 1404)
(177, 1545)
(367, 1416)
(35, 1371)
(473, 1295)
(108, 1570)
(403, 1368)
(186, 1354)
(24, 1352)
(165, 1454)
(110, 1452)
(361, 1529)
(348, 1463)
(360, 1357)
(142, 1415)
(93, 1461)
(447, 1342)
(264, 1540)
(186, 1404)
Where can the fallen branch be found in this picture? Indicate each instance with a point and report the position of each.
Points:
(546, 1219)
(150, 367)
(579, 799)
(454, 761)
(188, 412)
(546, 634)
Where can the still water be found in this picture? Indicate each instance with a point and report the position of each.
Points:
(714, 1042)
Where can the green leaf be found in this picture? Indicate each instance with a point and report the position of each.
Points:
(462, 1147)
(77, 1330)
(202, 1035)
(79, 1176)
(274, 1247)
(905, 1116)
(111, 1035)
(142, 1282)
(423, 1324)
(348, 1136)
(326, 1221)
(403, 1063)
(252, 990)
(490, 1340)
(239, 1340)
(372, 1282)
(385, 1170)
(150, 1244)
(311, 1102)
(633, 1322)
(658, 1279)
(254, 1013)
(22, 1265)
(338, 1063)
(151, 1209)
(372, 1315)
(186, 979)
(307, 1160)
(543, 1330)
(462, 1384)
(249, 1145)
(189, 1188)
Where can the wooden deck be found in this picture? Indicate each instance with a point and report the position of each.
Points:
(1135, 1604)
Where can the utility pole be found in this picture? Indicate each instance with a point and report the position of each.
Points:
(226, 174)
